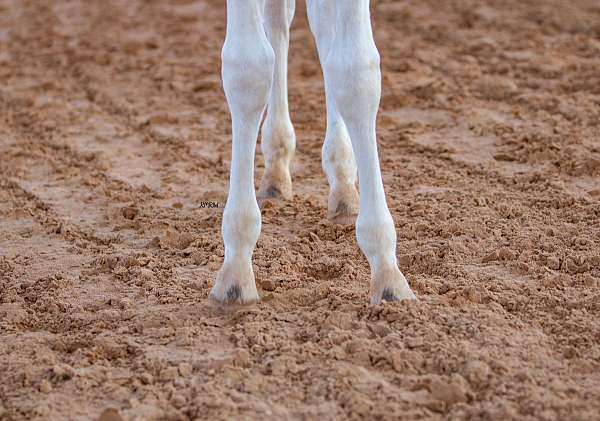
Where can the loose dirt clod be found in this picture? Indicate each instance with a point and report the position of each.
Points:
(110, 414)
(130, 212)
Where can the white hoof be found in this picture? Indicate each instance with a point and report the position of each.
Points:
(390, 285)
(343, 206)
(275, 186)
(234, 285)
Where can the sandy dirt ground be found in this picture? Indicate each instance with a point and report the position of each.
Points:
(114, 130)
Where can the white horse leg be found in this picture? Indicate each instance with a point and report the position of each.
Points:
(278, 139)
(354, 79)
(338, 159)
(247, 71)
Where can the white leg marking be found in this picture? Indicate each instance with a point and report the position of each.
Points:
(355, 84)
(278, 139)
(338, 158)
(248, 62)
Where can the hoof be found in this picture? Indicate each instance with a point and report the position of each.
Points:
(234, 286)
(233, 296)
(270, 193)
(391, 286)
(345, 214)
(274, 188)
(343, 207)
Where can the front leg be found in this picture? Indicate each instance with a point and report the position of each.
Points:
(354, 78)
(247, 72)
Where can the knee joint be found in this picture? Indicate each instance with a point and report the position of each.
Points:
(247, 72)
(355, 78)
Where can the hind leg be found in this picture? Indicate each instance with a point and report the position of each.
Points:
(354, 78)
(278, 141)
(247, 73)
(337, 155)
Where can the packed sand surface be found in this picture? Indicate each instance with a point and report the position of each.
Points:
(115, 136)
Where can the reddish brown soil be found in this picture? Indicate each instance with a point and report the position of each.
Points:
(114, 129)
